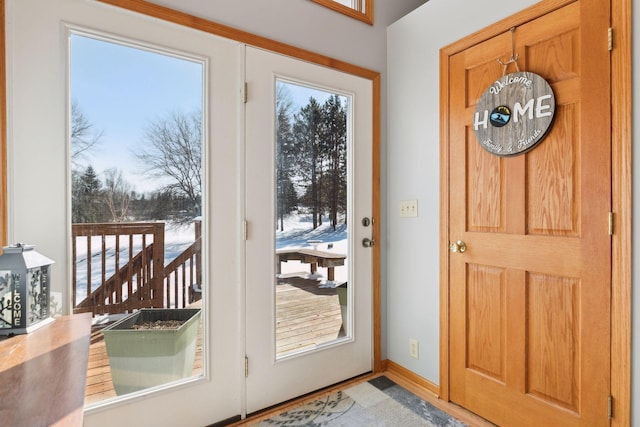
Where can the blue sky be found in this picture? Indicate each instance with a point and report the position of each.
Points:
(122, 89)
(300, 94)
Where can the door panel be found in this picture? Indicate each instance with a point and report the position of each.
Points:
(553, 177)
(274, 377)
(37, 43)
(529, 298)
(553, 332)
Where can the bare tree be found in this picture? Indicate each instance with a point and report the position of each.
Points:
(117, 194)
(175, 152)
(83, 136)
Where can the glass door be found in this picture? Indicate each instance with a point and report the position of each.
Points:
(312, 147)
(308, 208)
(136, 217)
(62, 194)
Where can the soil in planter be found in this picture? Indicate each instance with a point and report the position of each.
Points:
(159, 324)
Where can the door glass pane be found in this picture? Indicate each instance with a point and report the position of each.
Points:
(312, 147)
(136, 165)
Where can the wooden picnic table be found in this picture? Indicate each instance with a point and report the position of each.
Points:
(314, 257)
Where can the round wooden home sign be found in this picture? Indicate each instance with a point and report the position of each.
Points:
(514, 114)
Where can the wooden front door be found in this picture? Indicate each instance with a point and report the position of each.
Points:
(529, 299)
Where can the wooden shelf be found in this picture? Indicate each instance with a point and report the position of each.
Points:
(43, 374)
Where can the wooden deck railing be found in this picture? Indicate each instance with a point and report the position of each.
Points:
(183, 277)
(129, 258)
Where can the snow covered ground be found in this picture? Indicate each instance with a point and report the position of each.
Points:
(298, 232)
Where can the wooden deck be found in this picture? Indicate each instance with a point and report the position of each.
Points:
(306, 316)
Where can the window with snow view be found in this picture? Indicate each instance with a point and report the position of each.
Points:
(311, 166)
(136, 135)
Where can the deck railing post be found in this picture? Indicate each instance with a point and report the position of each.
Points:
(158, 267)
(198, 257)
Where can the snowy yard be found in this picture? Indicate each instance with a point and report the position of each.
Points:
(298, 233)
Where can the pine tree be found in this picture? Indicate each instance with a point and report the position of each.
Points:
(334, 138)
(307, 136)
(87, 205)
(286, 196)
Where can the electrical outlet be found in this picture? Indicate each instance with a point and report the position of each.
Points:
(408, 208)
(413, 348)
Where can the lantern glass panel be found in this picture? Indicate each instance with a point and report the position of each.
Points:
(10, 300)
(38, 292)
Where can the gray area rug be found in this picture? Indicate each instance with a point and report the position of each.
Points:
(376, 403)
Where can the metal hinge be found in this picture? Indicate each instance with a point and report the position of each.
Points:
(610, 38)
(245, 229)
(246, 366)
(244, 92)
(611, 223)
(610, 407)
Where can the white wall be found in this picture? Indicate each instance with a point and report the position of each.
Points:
(413, 288)
(307, 25)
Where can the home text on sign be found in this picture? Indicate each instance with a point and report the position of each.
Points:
(514, 114)
(542, 109)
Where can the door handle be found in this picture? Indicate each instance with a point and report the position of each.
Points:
(367, 243)
(458, 247)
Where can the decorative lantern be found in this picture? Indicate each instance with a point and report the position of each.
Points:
(24, 290)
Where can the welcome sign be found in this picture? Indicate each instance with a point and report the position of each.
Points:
(514, 114)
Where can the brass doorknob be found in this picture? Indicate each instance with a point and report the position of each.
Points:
(458, 247)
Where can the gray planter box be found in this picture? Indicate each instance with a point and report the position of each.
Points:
(343, 299)
(143, 358)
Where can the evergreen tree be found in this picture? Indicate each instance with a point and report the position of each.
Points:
(87, 206)
(334, 143)
(286, 196)
(307, 134)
